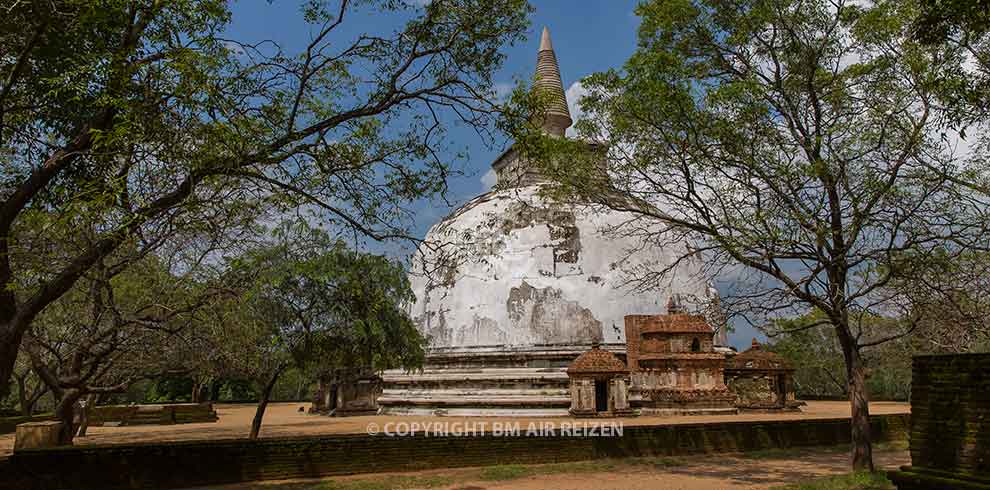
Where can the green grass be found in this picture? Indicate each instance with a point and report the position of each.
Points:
(506, 472)
(851, 481)
(658, 462)
(392, 482)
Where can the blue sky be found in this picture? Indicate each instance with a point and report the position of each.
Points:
(588, 36)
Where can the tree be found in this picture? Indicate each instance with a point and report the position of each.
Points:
(815, 353)
(818, 360)
(120, 324)
(30, 388)
(952, 290)
(141, 115)
(795, 144)
(964, 25)
(310, 302)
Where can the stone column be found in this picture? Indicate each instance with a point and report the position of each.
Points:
(620, 401)
(582, 397)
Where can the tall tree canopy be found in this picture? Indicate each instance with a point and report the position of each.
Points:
(311, 302)
(796, 144)
(136, 118)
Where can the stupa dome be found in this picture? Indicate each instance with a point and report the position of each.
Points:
(513, 286)
(513, 268)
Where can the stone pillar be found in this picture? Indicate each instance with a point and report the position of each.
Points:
(620, 400)
(582, 397)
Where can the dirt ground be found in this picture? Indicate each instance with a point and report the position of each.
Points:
(758, 471)
(285, 419)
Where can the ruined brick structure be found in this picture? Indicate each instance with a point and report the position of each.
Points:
(674, 367)
(950, 424)
(761, 380)
(599, 385)
(347, 392)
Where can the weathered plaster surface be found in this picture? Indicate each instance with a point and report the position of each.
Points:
(510, 268)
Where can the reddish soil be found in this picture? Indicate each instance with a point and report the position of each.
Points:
(284, 419)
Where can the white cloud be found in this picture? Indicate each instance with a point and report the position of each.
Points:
(489, 179)
(574, 95)
(502, 90)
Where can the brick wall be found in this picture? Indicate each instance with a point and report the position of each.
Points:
(185, 464)
(950, 400)
(950, 423)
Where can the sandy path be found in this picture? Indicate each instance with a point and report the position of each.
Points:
(284, 420)
(729, 472)
(704, 474)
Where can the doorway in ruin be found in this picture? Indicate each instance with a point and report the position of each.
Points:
(601, 396)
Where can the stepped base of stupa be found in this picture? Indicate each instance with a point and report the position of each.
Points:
(485, 381)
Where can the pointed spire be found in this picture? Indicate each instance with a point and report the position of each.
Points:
(545, 44)
(558, 117)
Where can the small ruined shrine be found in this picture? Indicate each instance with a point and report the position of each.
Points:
(599, 385)
(674, 367)
(761, 380)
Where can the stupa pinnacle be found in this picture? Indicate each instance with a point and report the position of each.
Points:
(557, 118)
(513, 286)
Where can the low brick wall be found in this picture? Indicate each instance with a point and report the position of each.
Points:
(950, 424)
(180, 413)
(154, 414)
(186, 464)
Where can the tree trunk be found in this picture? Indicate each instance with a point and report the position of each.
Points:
(214, 390)
(22, 396)
(10, 342)
(862, 449)
(259, 414)
(84, 414)
(65, 412)
(197, 387)
(28, 401)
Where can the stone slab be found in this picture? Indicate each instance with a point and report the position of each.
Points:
(37, 435)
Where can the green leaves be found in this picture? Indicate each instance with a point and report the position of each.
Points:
(323, 305)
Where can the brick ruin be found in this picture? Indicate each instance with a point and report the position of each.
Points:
(761, 380)
(599, 385)
(950, 424)
(674, 367)
(347, 393)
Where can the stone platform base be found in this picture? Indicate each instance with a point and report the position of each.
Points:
(486, 382)
(664, 412)
(910, 478)
(787, 409)
(352, 413)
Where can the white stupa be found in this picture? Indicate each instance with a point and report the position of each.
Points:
(512, 286)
